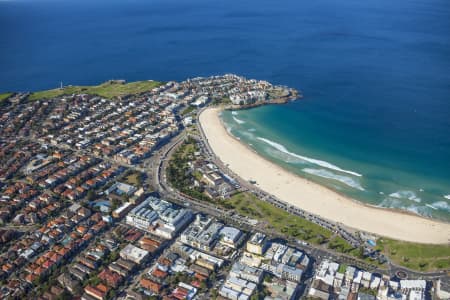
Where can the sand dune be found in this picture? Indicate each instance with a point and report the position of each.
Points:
(315, 198)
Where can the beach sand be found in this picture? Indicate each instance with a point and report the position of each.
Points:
(313, 197)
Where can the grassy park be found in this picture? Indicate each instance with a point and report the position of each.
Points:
(4, 96)
(249, 205)
(134, 178)
(415, 256)
(411, 255)
(109, 89)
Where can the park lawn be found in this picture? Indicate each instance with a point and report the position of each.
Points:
(187, 150)
(187, 110)
(198, 175)
(249, 205)
(135, 179)
(415, 256)
(340, 245)
(4, 96)
(108, 89)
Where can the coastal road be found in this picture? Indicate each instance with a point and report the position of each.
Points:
(334, 227)
(230, 216)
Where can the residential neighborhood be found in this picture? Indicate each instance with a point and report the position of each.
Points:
(87, 212)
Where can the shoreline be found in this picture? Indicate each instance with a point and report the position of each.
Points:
(317, 199)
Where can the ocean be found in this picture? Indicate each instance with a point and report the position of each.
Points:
(374, 122)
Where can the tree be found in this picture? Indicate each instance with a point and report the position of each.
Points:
(115, 203)
(64, 296)
(94, 280)
(361, 252)
(91, 195)
(255, 296)
(267, 278)
(111, 294)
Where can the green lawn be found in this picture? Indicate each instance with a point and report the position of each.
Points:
(416, 256)
(411, 255)
(134, 178)
(222, 101)
(339, 244)
(249, 205)
(4, 96)
(108, 89)
(342, 268)
(187, 110)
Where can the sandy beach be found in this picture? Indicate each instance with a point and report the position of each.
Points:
(315, 198)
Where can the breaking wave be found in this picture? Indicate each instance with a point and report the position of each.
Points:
(410, 195)
(234, 113)
(238, 121)
(398, 204)
(247, 134)
(447, 197)
(228, 129)
(321, 163)
(330, 175)
(431, 206)
(441, 205)
(252, 130)
(419, 210)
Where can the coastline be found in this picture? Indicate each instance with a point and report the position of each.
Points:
(317, 199)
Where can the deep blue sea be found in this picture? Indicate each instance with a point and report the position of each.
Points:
(375, 119)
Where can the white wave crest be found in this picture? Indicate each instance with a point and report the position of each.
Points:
(330, 175)
(247, 134)
(419, 210)
(234, 113)
(441, 205)
(398, 204)
(228, 129)
(410, 195)
(447, 197)
(431, 206)
(391, 203)
(238, 121)
(321, 163)
(252, 130)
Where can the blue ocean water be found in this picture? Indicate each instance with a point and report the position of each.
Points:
(375, 75)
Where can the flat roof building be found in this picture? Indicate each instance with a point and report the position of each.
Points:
(133, 253)
(159, 217)
(257, 243)
(203, 233)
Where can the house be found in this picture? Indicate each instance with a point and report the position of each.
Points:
(111, 278)
(98, 292)
(150, 285)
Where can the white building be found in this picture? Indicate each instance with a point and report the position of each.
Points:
(203, 233)
(242, 271)
(134, 254)
(257, 243)
(159, 217)
(231, 236)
